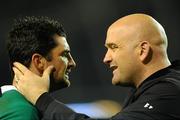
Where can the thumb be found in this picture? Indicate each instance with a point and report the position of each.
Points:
(48, 71)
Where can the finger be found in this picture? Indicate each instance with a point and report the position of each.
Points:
(17, 73)
(16, 76)
(20, 66)
(16, 79)
(48, 71)
(15, 84)
(17, 87)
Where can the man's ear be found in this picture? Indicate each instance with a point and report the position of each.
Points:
(145, 53)
(39, 62)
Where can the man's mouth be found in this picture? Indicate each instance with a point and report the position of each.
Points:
(67, 74)
(113, 68)
(66, 77)
(67, 71)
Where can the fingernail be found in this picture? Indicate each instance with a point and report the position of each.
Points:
(14, 63)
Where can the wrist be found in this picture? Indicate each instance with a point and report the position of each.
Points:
(34, 99)
(43, 102)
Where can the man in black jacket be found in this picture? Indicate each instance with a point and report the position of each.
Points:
(137, 54)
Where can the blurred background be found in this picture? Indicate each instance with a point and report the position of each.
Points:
(86, 22)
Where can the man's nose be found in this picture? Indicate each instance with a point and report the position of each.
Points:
(107, 58)
(72, 63)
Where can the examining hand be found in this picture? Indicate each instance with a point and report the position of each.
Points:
(29, 84)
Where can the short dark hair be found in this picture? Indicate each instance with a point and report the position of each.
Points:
(31, 35)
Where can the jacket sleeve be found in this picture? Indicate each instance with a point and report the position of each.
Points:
(51, 109)
(160, 102)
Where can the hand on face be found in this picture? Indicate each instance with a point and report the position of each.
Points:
(29, 84)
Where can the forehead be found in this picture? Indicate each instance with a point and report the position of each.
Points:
(61, 42)
(119, 34)
(113, 36)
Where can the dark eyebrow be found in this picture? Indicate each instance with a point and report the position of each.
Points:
(109, 44)
(66, 51)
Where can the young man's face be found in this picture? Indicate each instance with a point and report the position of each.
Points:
(62, 61)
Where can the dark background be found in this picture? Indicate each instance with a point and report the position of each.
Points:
(86, 22)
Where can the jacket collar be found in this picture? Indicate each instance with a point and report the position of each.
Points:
(156, 77)
(6, 88)
(150, 81)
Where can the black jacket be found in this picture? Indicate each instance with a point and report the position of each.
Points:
(157, 98)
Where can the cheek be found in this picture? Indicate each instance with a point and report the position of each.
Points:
(61, 64)
(123, 61)
(64, 60)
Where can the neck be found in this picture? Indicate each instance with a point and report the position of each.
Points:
(151, 69)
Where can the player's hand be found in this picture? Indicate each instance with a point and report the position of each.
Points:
(29, 84)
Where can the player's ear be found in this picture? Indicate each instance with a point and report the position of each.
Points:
(145, 52)
(39, 62)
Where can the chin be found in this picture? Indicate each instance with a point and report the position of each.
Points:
(58, 84)
(122, 83)
(115, 81)
(125, 85)
(68, 82)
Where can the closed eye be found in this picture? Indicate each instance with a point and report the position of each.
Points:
(65, 53)
(111, 46)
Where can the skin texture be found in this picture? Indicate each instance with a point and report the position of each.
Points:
(136, 48)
